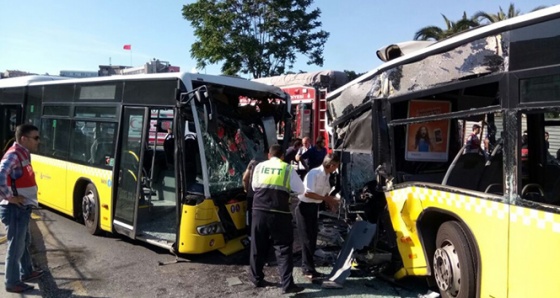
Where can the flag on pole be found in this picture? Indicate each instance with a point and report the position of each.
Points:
(127, 47)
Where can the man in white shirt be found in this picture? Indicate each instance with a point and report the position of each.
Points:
(317, 188)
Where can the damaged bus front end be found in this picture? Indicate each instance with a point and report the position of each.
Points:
(222, 134)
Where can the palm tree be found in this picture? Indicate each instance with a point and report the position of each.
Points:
(437, 33)
(500, 15)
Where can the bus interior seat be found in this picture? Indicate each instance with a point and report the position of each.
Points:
(533, 192)
(156, 167)
(552, 184)
(80, 147)
(100, 149)
(466, 171)
(495, 188)
(493, 173)
(168, 148)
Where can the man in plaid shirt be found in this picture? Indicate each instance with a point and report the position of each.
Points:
(18, 195)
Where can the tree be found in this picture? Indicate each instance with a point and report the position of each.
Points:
(352, 74)
(257, 37)
(512, 12)
(437, 33)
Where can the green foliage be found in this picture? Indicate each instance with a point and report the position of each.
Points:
(257, 37)
(352, 74)
(479, 18)
(452, 28)
(501, 15)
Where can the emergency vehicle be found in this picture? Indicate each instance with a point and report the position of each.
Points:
(308, 92)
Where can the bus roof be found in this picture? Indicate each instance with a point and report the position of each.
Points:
(336, 79)
(450, 60)
(184, 76)
(26, 80)
(457, 40)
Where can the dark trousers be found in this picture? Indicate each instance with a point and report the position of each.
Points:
(18, 259)
(307, 227)
(301, 173)
(272, 229)
(249, 215)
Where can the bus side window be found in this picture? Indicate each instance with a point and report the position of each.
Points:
(552, 169)
(103, 147)
(79, 144)
(54, 138)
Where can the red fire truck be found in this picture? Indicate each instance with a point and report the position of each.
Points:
(308, 92)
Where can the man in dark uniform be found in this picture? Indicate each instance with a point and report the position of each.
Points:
(291, 152)
(315, 154)
(272, 220)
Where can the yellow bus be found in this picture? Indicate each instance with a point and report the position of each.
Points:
(461, 141)
(157, 157)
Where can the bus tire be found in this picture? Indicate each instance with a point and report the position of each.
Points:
(454, 264)
(90, 209)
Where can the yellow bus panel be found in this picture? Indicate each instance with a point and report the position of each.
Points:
(190, 242)
(487, 220)
(534, 264)
(57, 180)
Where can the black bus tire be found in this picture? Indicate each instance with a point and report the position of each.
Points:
(90, 210)
(454, 264)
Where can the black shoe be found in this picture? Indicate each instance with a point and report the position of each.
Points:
(33, 276)
(19, 288)
(292, 289)
(315, 277)
(329, 284)
(264, 284)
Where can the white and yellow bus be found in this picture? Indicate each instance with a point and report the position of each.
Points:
(475, 211)
(105, 160)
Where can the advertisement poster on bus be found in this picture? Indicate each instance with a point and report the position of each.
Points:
(427, 141)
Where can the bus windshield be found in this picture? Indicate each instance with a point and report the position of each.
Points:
(229, 149)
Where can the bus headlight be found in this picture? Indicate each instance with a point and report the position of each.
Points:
(213, 228)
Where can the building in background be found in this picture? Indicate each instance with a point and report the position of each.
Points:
(15, 73)
(78, 73)
(109, 70)
(154, 66)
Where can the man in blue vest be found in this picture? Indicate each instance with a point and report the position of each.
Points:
(273, 180)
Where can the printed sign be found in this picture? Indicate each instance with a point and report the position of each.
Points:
(427, 141)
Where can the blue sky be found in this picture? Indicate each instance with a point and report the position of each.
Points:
(49, 36)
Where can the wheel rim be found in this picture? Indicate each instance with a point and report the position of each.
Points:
(88, 207)
(447, 269)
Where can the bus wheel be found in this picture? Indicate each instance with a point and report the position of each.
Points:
(453, 265)
(90, 210)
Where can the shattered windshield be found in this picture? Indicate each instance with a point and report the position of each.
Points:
(229, 147)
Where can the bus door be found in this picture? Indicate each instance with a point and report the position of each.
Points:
(10, 117)
(129, 175)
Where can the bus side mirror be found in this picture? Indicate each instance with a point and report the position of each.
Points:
(201, 96)
(210, 111)
(210, 116)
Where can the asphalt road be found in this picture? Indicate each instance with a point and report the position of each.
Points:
(81, 265)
